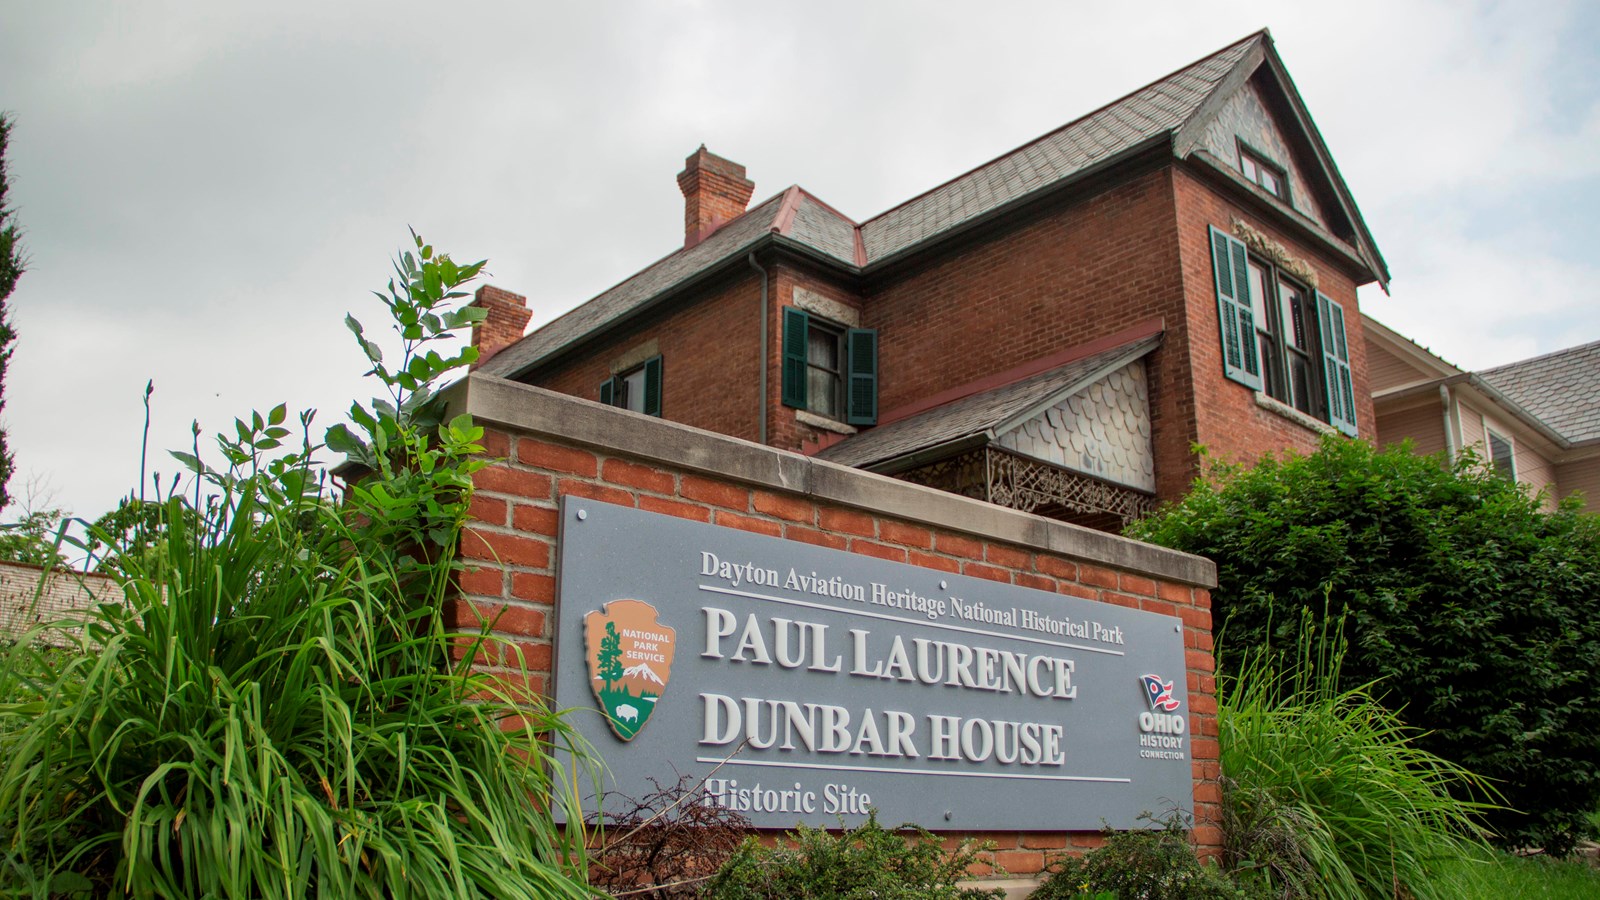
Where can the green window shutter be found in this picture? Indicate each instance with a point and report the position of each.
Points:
(608, 392)
(795, 325)
(1237, 321)
(1336, 365)
(652, 386)
(861, 352)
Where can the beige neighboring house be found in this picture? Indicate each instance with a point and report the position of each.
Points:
(23, 604)
(1536, 420)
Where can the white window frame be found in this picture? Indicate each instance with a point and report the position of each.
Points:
(1491, 433)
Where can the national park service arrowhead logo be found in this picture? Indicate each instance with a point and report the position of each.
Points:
(630, 662)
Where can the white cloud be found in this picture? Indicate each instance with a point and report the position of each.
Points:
(207, 190)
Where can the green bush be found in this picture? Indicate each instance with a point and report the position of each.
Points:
(1150, 864)
(277, 710)
(1470, 609)
(1326, 793)
(867, 862)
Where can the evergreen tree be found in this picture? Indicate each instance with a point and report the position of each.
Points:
(11, 265)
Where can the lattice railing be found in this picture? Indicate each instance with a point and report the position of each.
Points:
(1032, 485)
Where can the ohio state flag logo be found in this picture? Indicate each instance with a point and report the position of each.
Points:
(1158, 694)
(630, 662)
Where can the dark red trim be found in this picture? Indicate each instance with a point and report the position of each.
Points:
(786, 210)
(1137, 332)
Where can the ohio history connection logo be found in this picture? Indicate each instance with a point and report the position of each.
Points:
(1161, 729)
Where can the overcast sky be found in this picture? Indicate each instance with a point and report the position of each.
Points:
(207, 188)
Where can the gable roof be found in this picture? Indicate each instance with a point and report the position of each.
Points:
(1170, 111)
(1421, 358)
(1153, 111)
(1562, 389)
(980, 417)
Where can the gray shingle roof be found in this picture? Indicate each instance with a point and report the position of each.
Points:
(1562, 389)
(821, 227)
(978, 413)
(1158, 109)
(730, 240)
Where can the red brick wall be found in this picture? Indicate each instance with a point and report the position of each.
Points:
(709, 351)
(1089, 270)
(512, 543)
(1228, 420)
(1136, 251)
(783, 429)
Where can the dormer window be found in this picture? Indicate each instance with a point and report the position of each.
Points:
(637, 389)
(829, 369)
(1271, 176)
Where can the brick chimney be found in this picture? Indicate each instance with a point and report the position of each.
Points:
(715, 192)
(508, 315)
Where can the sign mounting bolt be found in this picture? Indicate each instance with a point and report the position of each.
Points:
(583, 514)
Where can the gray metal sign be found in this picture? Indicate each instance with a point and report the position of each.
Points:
(805, 684)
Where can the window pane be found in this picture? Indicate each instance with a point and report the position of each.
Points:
(822, 349)
(1500, 453)
(1270, 182)
(1299, 381)
(1293, 309)
(1258, 297)
(822, 392)
(1248, 165)
(633, 390)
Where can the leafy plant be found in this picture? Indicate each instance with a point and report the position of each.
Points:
(277, 711)
(34, 539)
(1326, 793)
(1144, 864)
(864, 862)
(1524, 878)
(1469, 608)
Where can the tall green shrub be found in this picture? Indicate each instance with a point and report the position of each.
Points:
(277, 711)
(1325, 792)
(1472, 610)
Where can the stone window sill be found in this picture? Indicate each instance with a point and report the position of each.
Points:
(1273, 405)
(822, 422)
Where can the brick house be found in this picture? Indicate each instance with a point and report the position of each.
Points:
(1536, 421)
(1053, 330)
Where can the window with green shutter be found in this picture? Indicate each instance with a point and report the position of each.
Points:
(862, 356)
(1280, 337)
(1235, 317)
(1337, 383)
(828, 369)
(638, 389)
(796, 326)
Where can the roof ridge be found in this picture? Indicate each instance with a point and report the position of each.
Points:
(1412, 341)
(826, 205)
(1542, 356)
(1054, 131)
(784, 220)
(647, 267)
(860, 251)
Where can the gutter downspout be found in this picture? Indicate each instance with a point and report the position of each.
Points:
(762, 427)
(1449, 433)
